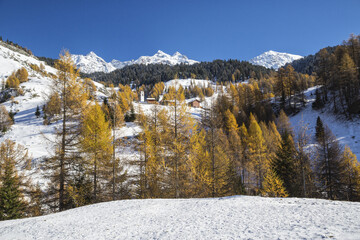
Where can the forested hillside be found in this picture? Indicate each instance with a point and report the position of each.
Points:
(218, 70)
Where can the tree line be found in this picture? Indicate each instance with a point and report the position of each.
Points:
(338, 74)
(217, 70)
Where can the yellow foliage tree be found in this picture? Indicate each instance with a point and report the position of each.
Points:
(12, 81)
(199, 164)
(351, 175)
(257, 151)
(273, 186)
(22, 75)
(230, 122)
(96, 141)
(72, 100)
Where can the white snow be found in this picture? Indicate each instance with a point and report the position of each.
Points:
(93, 63)
(275, 60)
(238, 217)
(346, 131)
(185, 83)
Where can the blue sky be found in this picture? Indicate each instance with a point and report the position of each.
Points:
(202, 30)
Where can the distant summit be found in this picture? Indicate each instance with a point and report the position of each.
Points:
(93, 63)
(275, 60)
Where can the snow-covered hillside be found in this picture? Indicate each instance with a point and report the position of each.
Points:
(238, 217)
(185, 83)
(346, 131)
(93, 63)
(275, 60)
(28, 130)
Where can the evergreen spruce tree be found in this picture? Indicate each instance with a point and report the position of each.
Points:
(12, 205)
(329, 167)
(37, 113)
(284, 165)
(319, 129)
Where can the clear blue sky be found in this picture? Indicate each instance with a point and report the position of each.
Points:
(202, 30)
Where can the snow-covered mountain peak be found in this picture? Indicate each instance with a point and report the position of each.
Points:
(92, 54)
(92, 63)
(273, 59)
(160, 53)
(177, 54)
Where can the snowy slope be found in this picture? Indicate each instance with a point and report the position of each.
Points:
(28, 130)
(238, 217)
(185, 83)
(346, 131)
(92, 63)
(275, 60)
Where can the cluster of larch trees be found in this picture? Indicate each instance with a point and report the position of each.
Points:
(83, 168)
(181, 157)
(237, 146)
(338, 74)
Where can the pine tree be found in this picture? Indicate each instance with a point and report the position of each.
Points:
(12, 205)
(12, 184)
(328, 166)
(273, 186)
(37, 113)
(284, 165)
(319, 129)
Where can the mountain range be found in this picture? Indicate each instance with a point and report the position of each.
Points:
(91, 63)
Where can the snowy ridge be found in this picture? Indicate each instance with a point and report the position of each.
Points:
(93, 63)
(275, 60)
(238, 217)
(185, 83)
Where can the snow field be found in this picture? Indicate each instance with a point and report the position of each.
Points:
(238, 217)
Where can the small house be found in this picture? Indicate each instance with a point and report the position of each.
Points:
(151, 100)
(195, 103)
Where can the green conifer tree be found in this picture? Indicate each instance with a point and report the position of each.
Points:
(11, 203)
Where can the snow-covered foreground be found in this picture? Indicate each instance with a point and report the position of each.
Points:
(239, 217)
